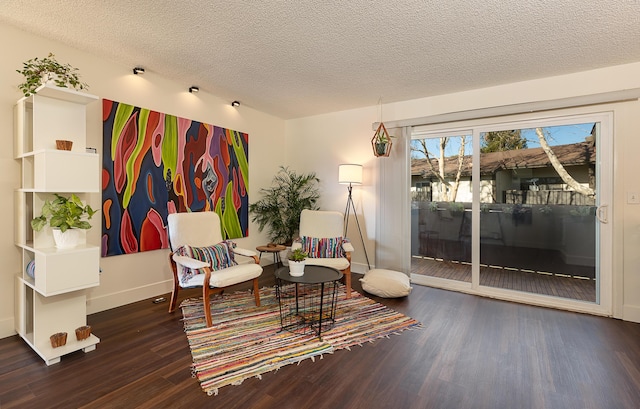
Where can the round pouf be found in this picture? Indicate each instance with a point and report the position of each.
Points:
(386, 283)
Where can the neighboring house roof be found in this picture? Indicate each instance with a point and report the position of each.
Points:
(575, 154)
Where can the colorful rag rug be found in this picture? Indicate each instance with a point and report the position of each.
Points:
(246, 341)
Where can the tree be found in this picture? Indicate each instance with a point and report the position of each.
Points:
(448, 189)
(497, 141)
(557, 165)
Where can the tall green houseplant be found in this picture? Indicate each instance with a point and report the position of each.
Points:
(279, 209)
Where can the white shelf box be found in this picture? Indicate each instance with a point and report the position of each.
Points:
(61, 171)
(60, 271)
(40, 317)
(50, 114)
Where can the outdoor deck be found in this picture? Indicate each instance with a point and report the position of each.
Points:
(538, 282)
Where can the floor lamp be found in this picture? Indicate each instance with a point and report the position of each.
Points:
(351, 174)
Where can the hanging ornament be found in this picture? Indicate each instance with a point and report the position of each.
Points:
(381, 141)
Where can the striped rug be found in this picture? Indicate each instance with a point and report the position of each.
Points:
(246, 341)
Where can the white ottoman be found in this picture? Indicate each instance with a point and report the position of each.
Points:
(386, 283)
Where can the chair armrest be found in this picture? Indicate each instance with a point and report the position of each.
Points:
(296, 245)
(245, 252)
(348, 247)
(189, 262)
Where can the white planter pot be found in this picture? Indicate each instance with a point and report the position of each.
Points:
(70, 238)
(296, 268)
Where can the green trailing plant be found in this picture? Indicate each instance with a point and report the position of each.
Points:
(279, 209)
(581, 211)
(297, 255)
(38, 71)
(545, 210)
(64, 213)
(456, 207)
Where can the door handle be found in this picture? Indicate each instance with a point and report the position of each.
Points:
(601, 213)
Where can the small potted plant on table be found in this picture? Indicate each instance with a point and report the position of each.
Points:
(297, 259)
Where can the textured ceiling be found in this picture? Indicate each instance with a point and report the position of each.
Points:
(307, 57)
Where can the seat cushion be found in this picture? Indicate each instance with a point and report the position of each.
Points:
(226, 277)
(326, 247)
(218, 256)
(386, 283)
(337, 263)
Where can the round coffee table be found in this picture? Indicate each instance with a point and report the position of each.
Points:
(307, 303)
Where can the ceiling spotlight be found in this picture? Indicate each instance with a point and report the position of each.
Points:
(193, 89)
(138, 70)
(235, 104)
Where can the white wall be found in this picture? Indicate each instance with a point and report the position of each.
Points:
(125, 278)
(320, 143)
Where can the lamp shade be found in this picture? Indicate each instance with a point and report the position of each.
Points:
(350, 174)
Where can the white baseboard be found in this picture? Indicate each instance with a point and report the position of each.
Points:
(7, 328)
(359, 268)
(631, 313)
(130, 295)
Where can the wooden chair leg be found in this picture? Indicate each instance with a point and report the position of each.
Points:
(174, 297)
(347, 282)
(206, 294)
(256, 291)
(176, 284)
(206, 304)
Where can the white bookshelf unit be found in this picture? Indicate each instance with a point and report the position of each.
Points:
(55, 300)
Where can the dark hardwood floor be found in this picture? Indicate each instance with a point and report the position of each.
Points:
(473, 352)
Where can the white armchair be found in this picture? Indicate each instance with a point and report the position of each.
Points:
(317, 225)
(196, 246)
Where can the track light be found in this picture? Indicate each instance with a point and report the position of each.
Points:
(235, 104)
(138, 70)
(193, 89)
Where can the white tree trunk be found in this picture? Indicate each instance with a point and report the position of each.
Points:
(555, 162)
(454, 187)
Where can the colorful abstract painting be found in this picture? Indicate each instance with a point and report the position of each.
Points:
(155, 164)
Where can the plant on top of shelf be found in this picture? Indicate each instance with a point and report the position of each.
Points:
(64, 213)
(38, 71)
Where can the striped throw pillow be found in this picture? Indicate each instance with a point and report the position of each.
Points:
(327, 247)
(219, 256)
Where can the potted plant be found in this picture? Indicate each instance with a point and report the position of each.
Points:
(297, 259)
(66, 215)
(40, 71)
(381, 141)
(281, 204)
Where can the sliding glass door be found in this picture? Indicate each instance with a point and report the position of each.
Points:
(514, 209)
(441, 201)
